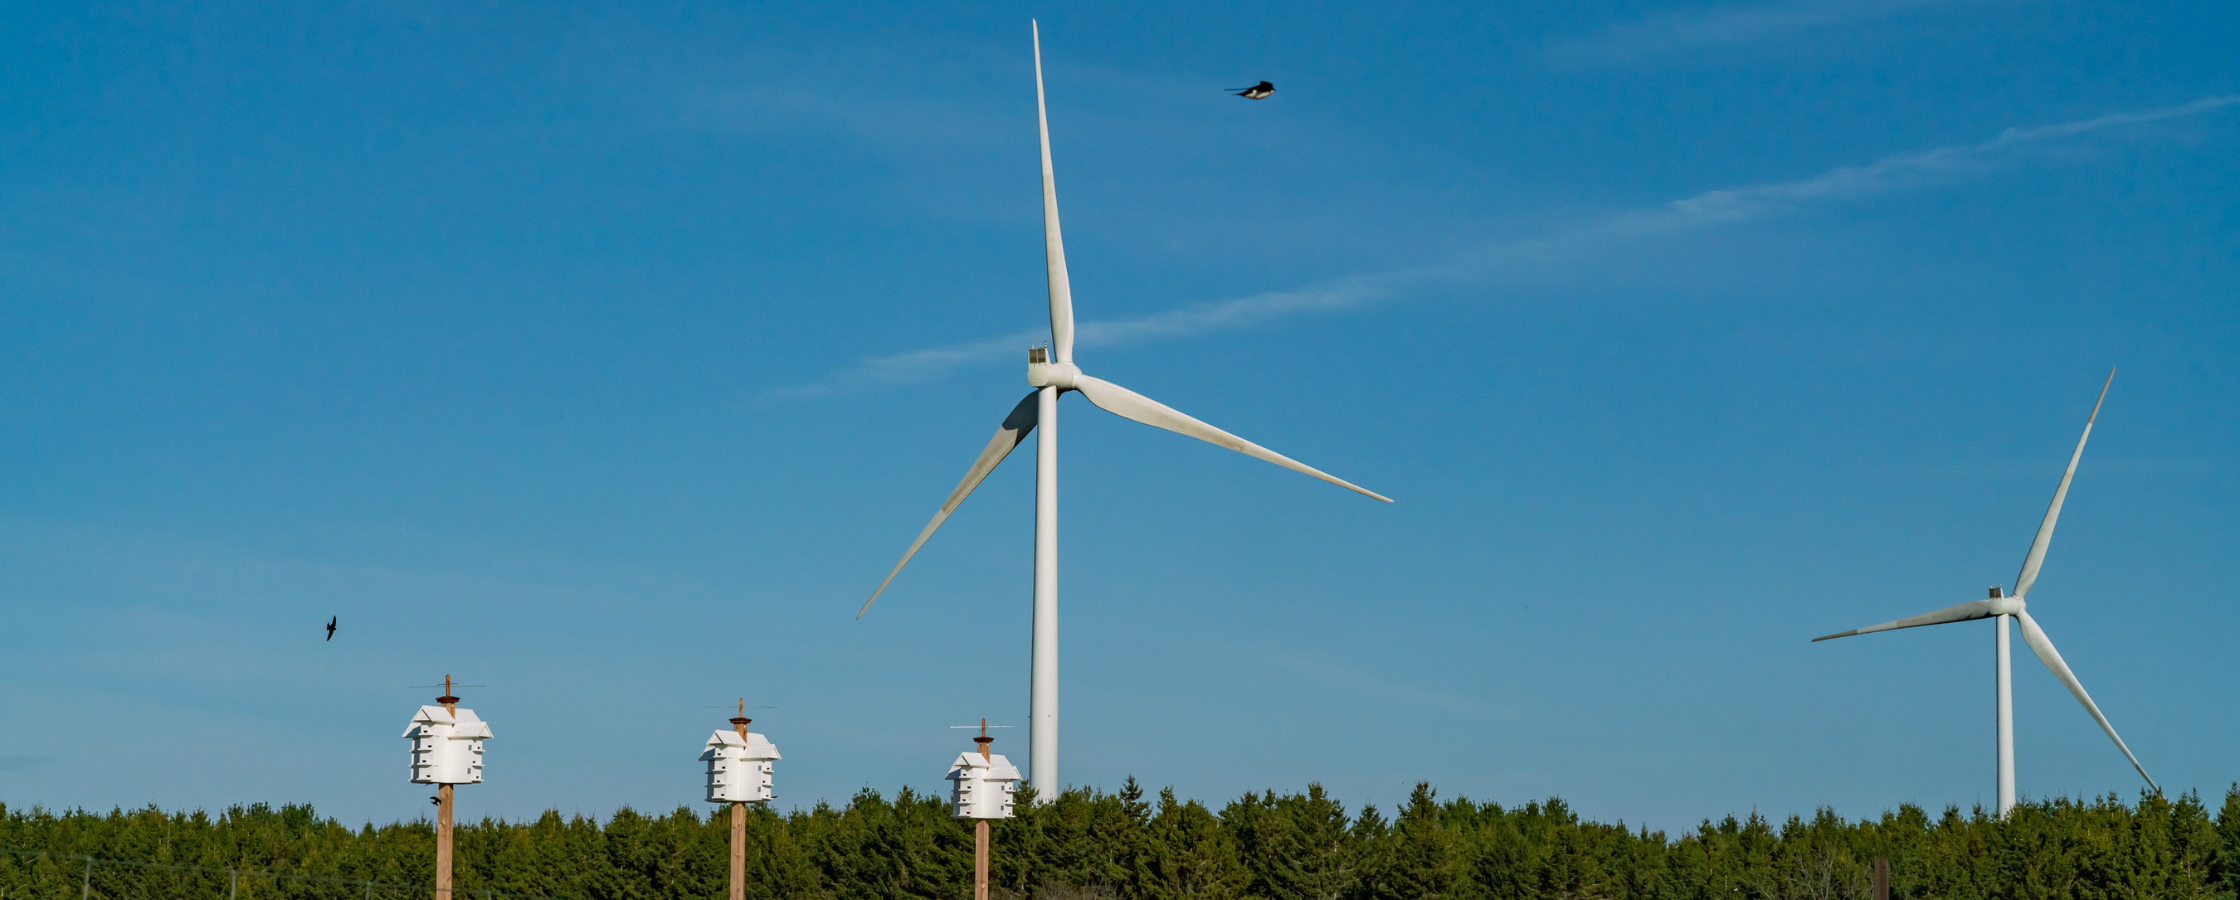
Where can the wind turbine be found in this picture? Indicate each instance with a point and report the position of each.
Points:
(1052, 372)
(1999, 607)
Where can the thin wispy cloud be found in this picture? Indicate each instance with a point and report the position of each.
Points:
(1723, 26)
(896, 123)
(1188, 321)
(23, 763)
(1710, 209)
(1887, 173)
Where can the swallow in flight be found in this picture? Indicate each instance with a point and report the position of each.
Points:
(330, 627)
(1256, 92)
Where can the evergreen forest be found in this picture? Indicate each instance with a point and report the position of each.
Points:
(1093, 844)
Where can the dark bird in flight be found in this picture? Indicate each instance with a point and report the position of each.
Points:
(1256, 92)
(330, 627)
(438, 801)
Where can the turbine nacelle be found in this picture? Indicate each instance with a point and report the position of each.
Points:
(1042, 373)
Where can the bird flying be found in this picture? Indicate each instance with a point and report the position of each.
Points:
(1256, 92)
(330, 627)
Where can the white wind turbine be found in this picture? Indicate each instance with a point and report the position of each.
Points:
(1052, 372)
(1999, 606)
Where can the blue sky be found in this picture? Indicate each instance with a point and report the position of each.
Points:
(607, 358)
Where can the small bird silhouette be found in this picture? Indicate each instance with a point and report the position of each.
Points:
(330, 627)
(1256, 92)
(437, 801)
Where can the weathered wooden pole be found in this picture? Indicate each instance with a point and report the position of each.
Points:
(979, 859)
(739, 851)
(739, 817)
(1881, 878)
(980, 829)
(443, 841)
(443, 808)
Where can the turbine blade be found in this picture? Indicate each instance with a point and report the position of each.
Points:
(2037, 556)
(1053, 245)
(1973, 609)
(1014, 430)
(1128, 404)
(2039, 644)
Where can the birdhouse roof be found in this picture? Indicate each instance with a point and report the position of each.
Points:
(428, 715)
(466, 723)
(470, 726)
(754, 746)
(996, 767)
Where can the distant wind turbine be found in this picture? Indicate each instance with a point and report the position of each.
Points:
(1051, 371)
(1999, 606)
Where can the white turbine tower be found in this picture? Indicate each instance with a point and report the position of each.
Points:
(1999, 607)
(1052, 372)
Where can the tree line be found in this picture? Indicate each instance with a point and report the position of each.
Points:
(1092, 844)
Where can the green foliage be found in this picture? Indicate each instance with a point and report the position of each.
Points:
(1089, 844)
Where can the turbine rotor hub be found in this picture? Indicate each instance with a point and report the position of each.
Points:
(1041, 372)
(2006, 606)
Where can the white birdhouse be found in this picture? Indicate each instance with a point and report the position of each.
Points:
(739, 767)
(446, 745)
(984, 784)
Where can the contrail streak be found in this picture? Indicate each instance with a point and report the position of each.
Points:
(1725, 206)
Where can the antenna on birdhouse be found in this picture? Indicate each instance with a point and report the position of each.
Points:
(739, 722)
(449, 702)
(983, 740)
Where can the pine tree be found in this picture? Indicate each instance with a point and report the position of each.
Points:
(1419, 859)
(1188, 855)
(1299, 847)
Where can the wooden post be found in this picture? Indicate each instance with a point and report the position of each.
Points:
(443, 842)
(980, 829)
(979, 859)
(739, 725)
(738, 851)
(1881, 878)
(443, 808)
